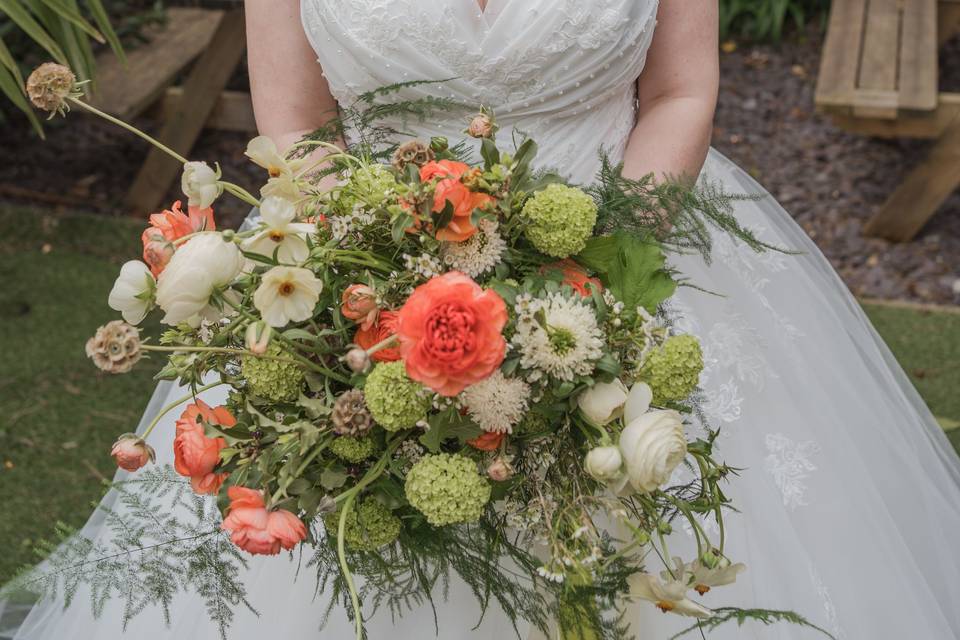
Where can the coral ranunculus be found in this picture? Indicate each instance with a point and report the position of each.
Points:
(194, 454)
(488, 440)
(450, 333)
(451, 189)
(383, 328)
(575, 276)
(256, 530)
(359, 303)
(168, 226)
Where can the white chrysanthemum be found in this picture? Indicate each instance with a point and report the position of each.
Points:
(479, 254)
(563, 343)
(497, 403)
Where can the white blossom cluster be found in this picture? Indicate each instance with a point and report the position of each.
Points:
(557, 336)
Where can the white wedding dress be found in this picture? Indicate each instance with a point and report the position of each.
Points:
(850, 493)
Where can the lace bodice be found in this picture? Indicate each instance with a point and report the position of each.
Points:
(562, 71)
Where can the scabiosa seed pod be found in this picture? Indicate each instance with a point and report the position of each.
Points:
(350, 415)
(49, 86)
(412, 152)
(115, 348)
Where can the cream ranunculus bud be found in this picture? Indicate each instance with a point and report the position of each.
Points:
(603, 402)
(481, 126)
(186, 284)
(258, 337)
(604, 463)
(358, 360)
(287, 294)
(133, 291)
(201, 184)
(652, 447)
(131, 453)
(499, 470)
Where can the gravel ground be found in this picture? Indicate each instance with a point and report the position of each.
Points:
(830, 181)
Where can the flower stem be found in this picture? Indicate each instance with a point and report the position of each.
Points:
(176, 403)
(128, 127)
(240, 193)
(345, 568)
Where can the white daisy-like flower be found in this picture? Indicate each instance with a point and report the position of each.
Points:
(279, 233)
(558, 336)
(287, 294)
(670, 596)
(498, 402)
(480, 253)
(424, 265)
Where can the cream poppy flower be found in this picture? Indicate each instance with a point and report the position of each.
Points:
(283, 172)
(133, 292)
(279, 233)
(287, 294)
(702, 578)
(201, 184)
(670, 596)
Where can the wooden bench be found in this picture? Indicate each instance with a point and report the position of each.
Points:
(213, 41)
(878, 76)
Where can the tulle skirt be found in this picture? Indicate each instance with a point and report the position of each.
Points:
(850, 493)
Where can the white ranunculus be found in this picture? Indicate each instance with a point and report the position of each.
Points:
(604, 463)
(603, 402)
(201, 184)
(287, 294)
(132, 293)
(638, 402)
(668, 595)
(279, 233)
(205, 262)
(652, 446)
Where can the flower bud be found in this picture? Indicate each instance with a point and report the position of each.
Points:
(131, 452)
(439, 144)
(481, 126)
(709, 560)
(357, 360)
(500, 470)
(603, 402)
(258, 337)
(604, 463)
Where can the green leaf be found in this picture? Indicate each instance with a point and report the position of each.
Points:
(400, 225)
(637, 275)
(447, 426)
(22, 18)
(333, 478)
(489, 152)
(12, 89)
(102, 21)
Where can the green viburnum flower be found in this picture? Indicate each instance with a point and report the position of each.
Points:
(394, 400)
(369, 526)
(447, 489)
(370, 185)
(272, 380)
(561, 219)
(353, 449)
(673, 370)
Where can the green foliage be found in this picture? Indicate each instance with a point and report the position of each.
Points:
(766, 19)
(632, 269)
(765, 616)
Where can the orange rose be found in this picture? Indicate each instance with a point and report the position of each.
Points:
(575, 276)
(194, 454)
(256, 530)
(359, 302)
(487, 441)
(451, 189)
(168, 226)
(385, 326)
(450, 333)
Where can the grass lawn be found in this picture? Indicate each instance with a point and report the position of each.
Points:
(59, 416)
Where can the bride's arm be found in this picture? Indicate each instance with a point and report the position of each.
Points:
(290, 96)
(677, 92)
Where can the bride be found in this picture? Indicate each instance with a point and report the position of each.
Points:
(851, 493)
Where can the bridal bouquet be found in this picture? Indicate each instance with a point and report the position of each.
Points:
(435, 365)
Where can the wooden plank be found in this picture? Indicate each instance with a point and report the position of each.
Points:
(839, 62)
(127, 90)
(233, 110)
(908, 124)
(917, 199)
(878, 61)
(203, 86)
(948, 20)
(917, 69)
